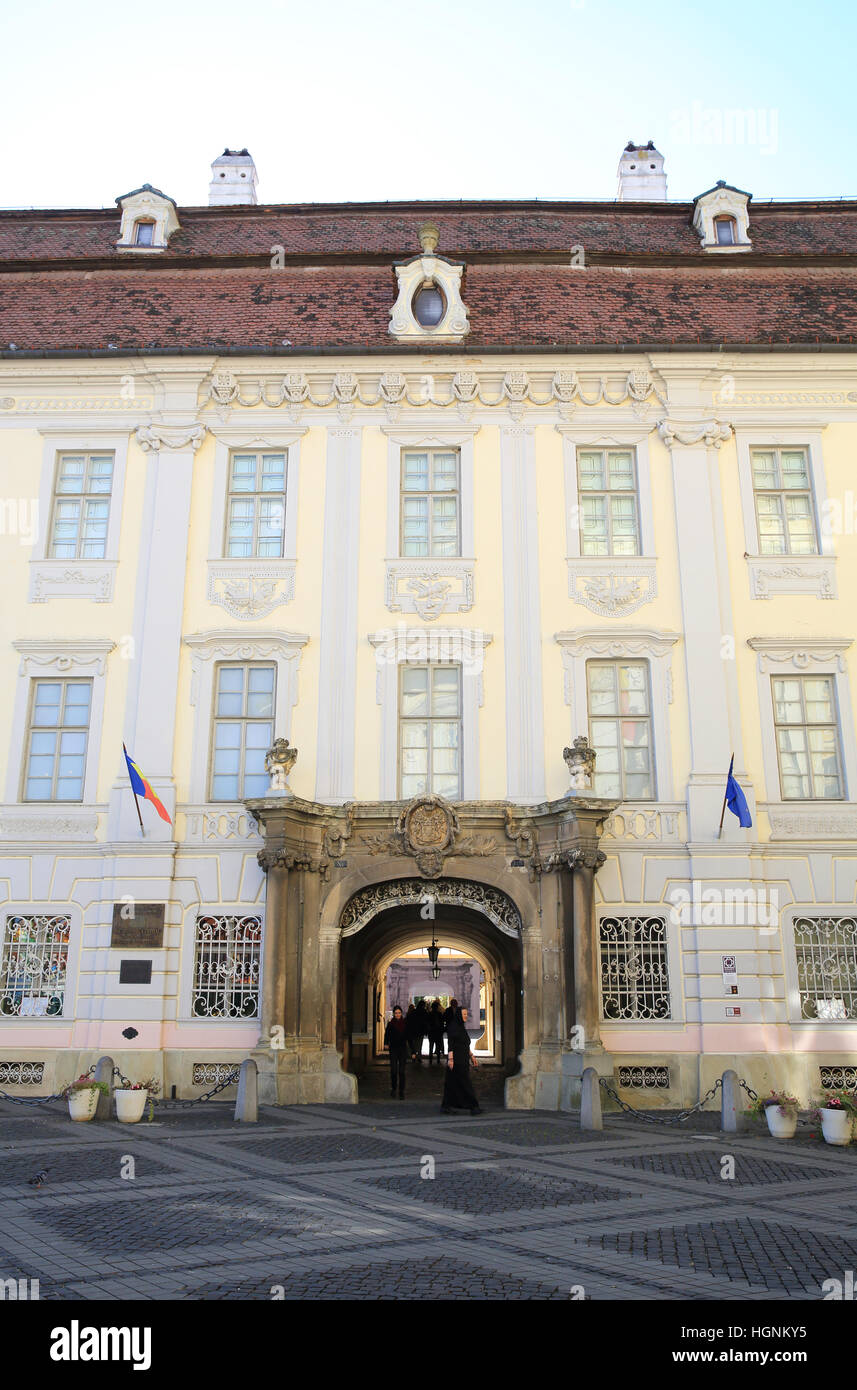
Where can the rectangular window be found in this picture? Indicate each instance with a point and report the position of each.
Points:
(826, 951)
(620, 729)
(807, 733)
(56, 740)
(607, 496)
(430, 731)
(226, 967)
(431, 502)
(81, 506)
(256, 506)
(634, 971)
(33, 966)
(243, 731)
(785, 512)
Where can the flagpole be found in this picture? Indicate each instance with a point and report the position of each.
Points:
(725, 794)
(136, 802)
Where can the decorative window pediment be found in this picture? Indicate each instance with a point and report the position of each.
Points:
(429, 305)
(721, 219)
(149, 219)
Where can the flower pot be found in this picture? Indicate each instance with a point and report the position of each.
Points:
(781, 1125)
(82, 1104)
(130, 1105)
(835, 1125)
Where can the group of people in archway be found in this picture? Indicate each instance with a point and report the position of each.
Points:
(404, 1037)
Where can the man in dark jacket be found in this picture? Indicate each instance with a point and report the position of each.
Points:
(396, 1039)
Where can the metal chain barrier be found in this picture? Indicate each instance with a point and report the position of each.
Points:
(654, 1118)
(229, 1080)
(41, 1100)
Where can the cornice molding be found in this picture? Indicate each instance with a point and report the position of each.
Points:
(798, 653)
(63, 655)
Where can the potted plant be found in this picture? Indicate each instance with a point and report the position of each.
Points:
(836, 1110)
(82, 1096)
(131, 1100)
(780, 1111)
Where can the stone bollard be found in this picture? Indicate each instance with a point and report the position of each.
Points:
(590, 1100)
(732, 1119)
(247, 1100)
(104, 1072)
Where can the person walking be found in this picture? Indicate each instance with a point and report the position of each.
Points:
(396, 1039)
(424, 1025)
(436, 1033)
(412, 1032)
(458, 1092)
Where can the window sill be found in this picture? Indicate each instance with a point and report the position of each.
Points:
(83, 579)
(251, 587)
(612, 585)
(792, 575)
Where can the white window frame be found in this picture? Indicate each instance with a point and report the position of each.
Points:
(461, 646)
(625, 644)
(85, 578)
(208, 650)
(771, 575)
(785, 656)
(77, 658)
(224, 570)
(59, 729)
(609, 570)
(650, 718)
(42, 908)
(430, 720)
(401, 570)
(246, 664)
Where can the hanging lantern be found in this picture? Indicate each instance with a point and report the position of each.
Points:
(433, 951)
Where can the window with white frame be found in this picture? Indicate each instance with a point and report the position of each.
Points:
(620, 729)
(430, 517)
(634, 968)
(57, 736)
(826, 953)
(785, 508)
(608, 502)
(244, 702)
(81, 506)
(429, 730)
(34, 966)
(807, 734)
(144, 233)
(226, 966)
(256, 506)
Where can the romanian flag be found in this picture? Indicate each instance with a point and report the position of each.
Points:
(142, 788)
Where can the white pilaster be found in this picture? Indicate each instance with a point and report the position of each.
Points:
(338, 643)
(525, 758)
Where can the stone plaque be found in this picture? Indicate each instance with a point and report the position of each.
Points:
(143, 931)
(135, 972)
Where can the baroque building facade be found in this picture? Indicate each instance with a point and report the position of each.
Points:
(429, 491)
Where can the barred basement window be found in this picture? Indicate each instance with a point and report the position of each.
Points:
(833, 1078)
(634, 973)
(22, 1073)
(826, 951)
(33, 966)
(226, 967)
(212, 1073)
(644, 1078)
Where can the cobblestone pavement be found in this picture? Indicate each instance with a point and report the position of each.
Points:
(330, 1202)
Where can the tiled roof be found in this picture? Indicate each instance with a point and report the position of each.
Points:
(349, 307)
(65, 288)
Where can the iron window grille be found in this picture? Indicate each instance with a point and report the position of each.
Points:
(826, 951)
(634, 969)
(226, 967)
(34, 965)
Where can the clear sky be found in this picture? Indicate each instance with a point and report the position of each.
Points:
(386, 99)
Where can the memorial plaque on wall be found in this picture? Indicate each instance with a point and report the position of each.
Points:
(135, 972)
(144, 930)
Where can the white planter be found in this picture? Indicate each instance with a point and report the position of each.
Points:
(82, 1104)
(836, 1126)
(130, 1105)
(782, 1126)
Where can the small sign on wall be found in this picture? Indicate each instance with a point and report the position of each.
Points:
(138, 926)
(135, 972)
(729, 966)
(733, 1011)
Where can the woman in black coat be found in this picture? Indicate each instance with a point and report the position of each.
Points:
(458, 1092)
(435, 1032)
(396, 1039)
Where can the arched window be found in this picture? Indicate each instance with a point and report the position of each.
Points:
(724, 231)
(144, 233)
(429, 305)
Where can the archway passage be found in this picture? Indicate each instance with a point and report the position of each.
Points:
(369, 961)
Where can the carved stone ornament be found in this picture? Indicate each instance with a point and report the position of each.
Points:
(279, 761)
(428, 831)
(580, 761)
(436, 271)
(491, 902)
(174, 438)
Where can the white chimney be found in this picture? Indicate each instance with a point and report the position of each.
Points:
(233, 179)
(641, 175)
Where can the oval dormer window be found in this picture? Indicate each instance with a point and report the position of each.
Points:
(429, 306)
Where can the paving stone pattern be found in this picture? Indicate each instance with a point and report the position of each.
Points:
(328, 1202)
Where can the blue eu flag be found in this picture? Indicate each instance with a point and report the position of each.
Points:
(736, 800)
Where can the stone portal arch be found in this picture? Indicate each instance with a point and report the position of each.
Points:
(491, 902)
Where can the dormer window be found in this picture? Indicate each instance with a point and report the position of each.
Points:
(429, 306)
(144, 233)
(724, 231)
